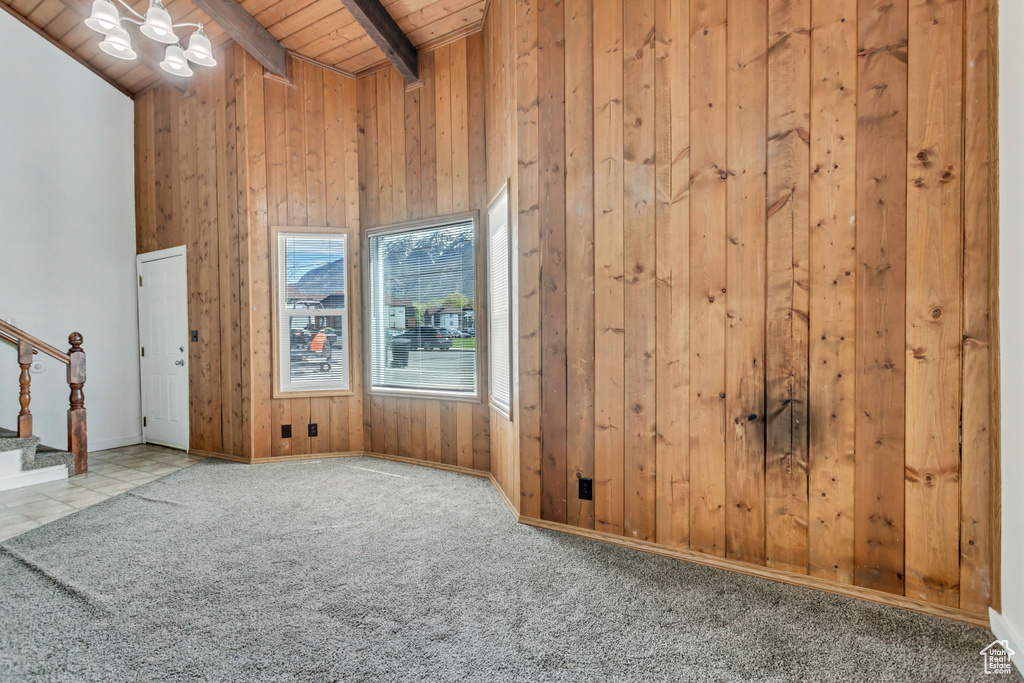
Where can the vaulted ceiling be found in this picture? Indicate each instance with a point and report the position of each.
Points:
(319, 30)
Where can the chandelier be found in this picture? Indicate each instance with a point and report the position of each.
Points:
(156, 25)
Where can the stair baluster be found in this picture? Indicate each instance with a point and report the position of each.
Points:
(77, 434)
(25, 352)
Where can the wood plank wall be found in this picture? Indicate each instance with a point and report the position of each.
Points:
(500, 98)
(215, 169)
(750, 320)
(312, 180)
(421, 153)
(187, 174)
(743, 311)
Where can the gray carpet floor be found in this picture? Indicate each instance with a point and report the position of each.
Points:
(369, 570)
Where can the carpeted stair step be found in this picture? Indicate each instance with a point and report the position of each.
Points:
(35, 455)
(47, 456)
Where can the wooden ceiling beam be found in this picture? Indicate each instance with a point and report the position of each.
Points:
(149, 52)
(249, 33)
(379, 25)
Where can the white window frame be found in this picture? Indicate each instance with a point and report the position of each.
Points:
(497, 404)
(312, 233)
(413, 226)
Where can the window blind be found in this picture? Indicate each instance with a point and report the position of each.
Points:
(499, 309)
(312, 313)
(422, 312)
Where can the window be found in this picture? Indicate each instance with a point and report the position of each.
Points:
(311, 312)
(499, 278)
(421, 309)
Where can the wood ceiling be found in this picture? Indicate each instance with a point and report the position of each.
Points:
(319, 30)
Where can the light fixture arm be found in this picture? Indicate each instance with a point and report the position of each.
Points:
(141, 18)
(133, 11)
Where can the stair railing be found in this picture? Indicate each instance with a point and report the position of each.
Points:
(28, 346)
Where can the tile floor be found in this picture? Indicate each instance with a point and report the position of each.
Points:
(110, 473)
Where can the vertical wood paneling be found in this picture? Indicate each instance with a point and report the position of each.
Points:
(529, 259)
(745, 282)
(421, 154)
(221, 186)
(428, 136)
(385, 138)
(976, 534)
(498, 71)
(579, 256)
(708, 293)
(433, 431)
(609, 353)
(787, 283)
(255, 284)
(638, 173)
(476, 430)
(187, 197)
(551, 205)
(320, 415)
(934, 303)
(404, 428)
(672, 196)
(449, 433)
(399, 194)
(881, 293)
(727, 317)
(833, 292)
(458, 76)
(443, 123)
(314, 128)
(300, 420)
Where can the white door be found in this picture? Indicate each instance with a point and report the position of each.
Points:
(163, 338)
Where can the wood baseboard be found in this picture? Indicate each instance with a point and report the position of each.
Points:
(429, 463)
(307, 456)
(347, 454)
(219, 456)
(791, 578)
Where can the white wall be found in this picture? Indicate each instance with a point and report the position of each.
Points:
(1011, 319)
(67, 235)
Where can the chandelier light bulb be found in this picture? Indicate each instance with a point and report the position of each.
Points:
(105, 19)
(118, 46)
(158, 24)
(175, 61)
(200, 50)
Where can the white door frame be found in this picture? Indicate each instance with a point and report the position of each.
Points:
(147, 258)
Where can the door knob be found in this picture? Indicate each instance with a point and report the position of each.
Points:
(180, 362)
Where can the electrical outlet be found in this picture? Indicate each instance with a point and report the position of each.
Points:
(286, 431)
(312, 428)
(586, 489)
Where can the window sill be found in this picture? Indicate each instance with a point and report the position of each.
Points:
(500, 410)
(326, 393)
(424, 395)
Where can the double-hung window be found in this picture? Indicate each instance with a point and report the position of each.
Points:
(311, 312)
(421, 309)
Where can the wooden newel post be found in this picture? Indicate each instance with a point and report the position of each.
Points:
(25, 397)
(77, 440)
